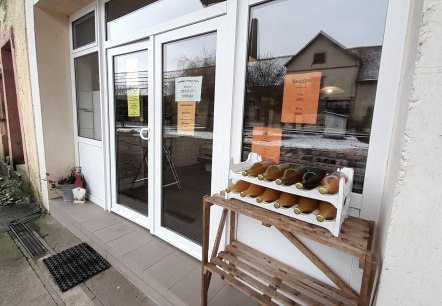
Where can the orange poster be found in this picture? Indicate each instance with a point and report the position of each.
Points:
(301, 97)
(267, 142)
(186, 118)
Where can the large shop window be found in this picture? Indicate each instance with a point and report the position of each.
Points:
(87, 83)
(124, 16)
(311, 81)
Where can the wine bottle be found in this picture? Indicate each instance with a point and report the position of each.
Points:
(286, 200)
(311, 179)
(291, 176)
(330, 183)
(306, 205)
(270, 195)
(253, 191)
(238, 186)
(326, 211)
(273, 172)
(258, 168)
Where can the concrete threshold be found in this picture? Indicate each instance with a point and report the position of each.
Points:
(165, 274)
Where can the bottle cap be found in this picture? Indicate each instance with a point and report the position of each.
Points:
(258, 199)
(227, 190)
(260, 177)
(277, 205)
(297, 210)
(244, 173)
(243, 194)
(299, 185)
(320, 218)
(278, 181)
(323, 190)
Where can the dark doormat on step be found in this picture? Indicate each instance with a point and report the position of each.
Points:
(75, 265)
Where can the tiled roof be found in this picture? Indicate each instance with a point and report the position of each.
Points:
(370, 58)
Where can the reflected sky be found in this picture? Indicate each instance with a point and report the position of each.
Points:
(285, 26)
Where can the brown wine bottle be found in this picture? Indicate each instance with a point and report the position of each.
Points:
(330, 183)
(306, 205)
(326, 211)
(291, 176)
(286, 200)
(311, 179)
(270, 195)
(258, 168)
(273, 172)
(238, 186)
(253, 191)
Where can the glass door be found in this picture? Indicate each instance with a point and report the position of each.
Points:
(186, 71)
(130, 110)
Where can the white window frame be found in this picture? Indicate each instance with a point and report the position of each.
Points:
(76, 53)
(93, 7)
(386, 100)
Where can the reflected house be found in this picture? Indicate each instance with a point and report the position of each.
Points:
(348, 83)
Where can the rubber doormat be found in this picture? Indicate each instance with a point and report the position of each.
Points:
(75, 265)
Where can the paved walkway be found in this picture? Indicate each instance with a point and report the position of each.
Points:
(26, 281)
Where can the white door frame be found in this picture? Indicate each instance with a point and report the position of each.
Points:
(145, 221)
(221, 133)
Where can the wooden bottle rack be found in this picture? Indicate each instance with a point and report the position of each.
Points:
(270, 282)
(340, 200)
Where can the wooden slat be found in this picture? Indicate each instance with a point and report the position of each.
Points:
(241, 286)
(345, 243)
(219, 233)
(274, 282)
(318, 263)
(301, 281)
(260, 287)
(232, 220)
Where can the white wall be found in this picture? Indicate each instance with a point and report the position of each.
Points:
(411, 237)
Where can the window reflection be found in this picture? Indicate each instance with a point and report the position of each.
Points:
(344, 51)
(187, 141)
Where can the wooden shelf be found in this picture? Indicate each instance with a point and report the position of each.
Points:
(270, 282)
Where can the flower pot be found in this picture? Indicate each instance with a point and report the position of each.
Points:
(67, 192)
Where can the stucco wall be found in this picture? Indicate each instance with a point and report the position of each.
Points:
(12, 15)
(410, 230)
(53, 64)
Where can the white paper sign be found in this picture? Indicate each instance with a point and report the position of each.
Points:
(188, 89)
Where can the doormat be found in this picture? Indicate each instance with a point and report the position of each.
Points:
(75, 265)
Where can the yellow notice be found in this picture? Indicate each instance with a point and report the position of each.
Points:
(186, 118)
(301, 97)
(267, 143)
(133, 102)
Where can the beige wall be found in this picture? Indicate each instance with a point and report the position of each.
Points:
(12, 15)
(53, 62)
(411, 231)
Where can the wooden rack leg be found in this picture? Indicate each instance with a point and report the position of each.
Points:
(318, 263)
(205, 278)
(207, 275)
(368, 276)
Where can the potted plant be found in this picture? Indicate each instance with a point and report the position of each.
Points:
(64, 184)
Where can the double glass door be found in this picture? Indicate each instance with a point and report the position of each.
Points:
(161, 131)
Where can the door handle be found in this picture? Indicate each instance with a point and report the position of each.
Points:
(145, 130)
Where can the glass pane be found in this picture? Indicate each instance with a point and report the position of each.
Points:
(83, 30)
(188, 100)
(314, 78)
(124, 16)
(87, 83)
(131, 110)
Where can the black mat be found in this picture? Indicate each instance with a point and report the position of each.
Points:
(75, 265)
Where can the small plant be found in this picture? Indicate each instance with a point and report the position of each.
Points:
(57, 184)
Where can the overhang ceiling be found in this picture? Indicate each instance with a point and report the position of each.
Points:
(65, 7)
